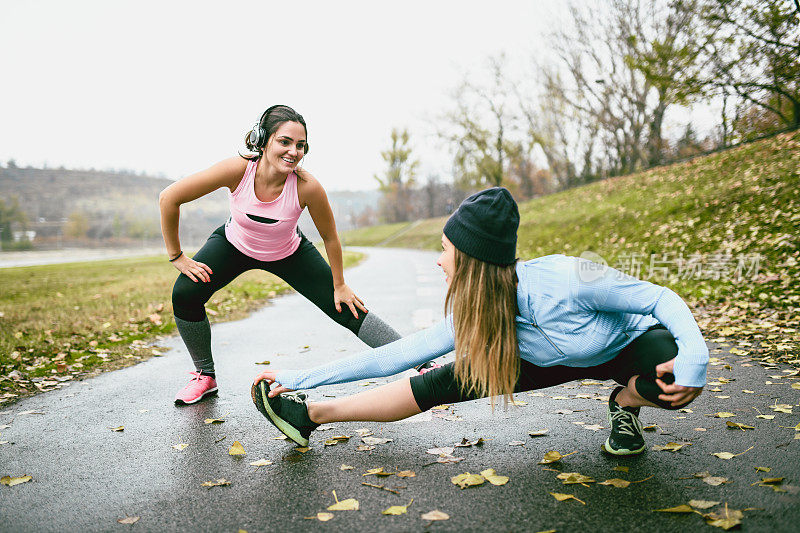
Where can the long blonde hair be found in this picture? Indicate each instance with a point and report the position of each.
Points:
(482, 298)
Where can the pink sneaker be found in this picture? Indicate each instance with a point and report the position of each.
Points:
(198, 388)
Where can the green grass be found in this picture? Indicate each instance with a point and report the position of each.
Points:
(374, 235)
(78, 318)
(736, 203)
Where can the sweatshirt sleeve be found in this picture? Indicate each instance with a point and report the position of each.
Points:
(386, 360)
(615, 291)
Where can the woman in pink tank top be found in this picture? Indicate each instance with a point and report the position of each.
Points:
(267, 194)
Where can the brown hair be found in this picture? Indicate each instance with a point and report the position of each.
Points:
(482, 298)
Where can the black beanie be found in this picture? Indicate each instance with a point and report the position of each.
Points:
(485, 226)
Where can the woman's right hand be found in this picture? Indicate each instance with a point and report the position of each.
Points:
(194, 270)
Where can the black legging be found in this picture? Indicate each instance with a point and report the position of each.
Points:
(305, 271)
(640, 357)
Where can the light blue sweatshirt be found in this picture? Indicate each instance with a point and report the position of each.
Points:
(571, 312)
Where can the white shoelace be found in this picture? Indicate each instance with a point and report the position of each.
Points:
(629, 423)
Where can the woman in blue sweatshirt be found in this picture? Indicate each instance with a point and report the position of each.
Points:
(514, 326)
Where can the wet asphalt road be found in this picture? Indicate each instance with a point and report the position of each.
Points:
(86, 477)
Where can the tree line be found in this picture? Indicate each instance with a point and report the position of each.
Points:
(597, 101)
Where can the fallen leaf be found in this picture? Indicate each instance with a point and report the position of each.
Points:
(571, 478)
(345, 467)
(615, 482)
(302, 449)
(762, 469)
(467, 480)
(563, 497)
(440, 407)
(180, 446)
(216, 483)
(333, 441)
(491, 476)
(349, 504)
(671, 446)
(261, 462)
(435, 515)
(279, 437)
(702, 504)
(214, 420)
(518, 403)
(374, 440)
(729, 455)
(766, 417)
(128, 520)
(723, 415)
(377, 472)
(406, 473)
(621, 468)
(725, 519)
(322, 517)
(781, 408)
(679, 509)
(516, 443)
(118, 428)
(364, 448)
(736, 425)
(11, 481)
(263, 363)
(466, 443)
(538, 432)
(441, 451)
(398, 509)
(553, 456)
(715, 481)
(446, 459)
(236, 449)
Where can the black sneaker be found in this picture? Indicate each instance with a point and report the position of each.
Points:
(626, 430)
(288, 412)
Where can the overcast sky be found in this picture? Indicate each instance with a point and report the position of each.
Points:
(170, 87)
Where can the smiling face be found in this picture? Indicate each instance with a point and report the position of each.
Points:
(286, 147)
(447, 261)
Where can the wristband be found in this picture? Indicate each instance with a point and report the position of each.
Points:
(176, 257)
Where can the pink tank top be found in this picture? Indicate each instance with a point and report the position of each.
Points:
(266, 231)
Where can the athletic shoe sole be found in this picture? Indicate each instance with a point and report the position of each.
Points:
(209, 392)
(623, 451)
(259, 393)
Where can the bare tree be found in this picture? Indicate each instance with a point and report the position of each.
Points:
(398, 179)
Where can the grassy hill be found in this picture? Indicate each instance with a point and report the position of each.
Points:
(721, 230)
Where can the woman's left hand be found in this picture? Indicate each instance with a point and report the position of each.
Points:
(269, 377)
(345, 295)
(677, 395)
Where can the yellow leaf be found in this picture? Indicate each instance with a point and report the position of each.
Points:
(491, 476)
(621, 468)
(345, 467)
(118, 428)
(236, 449)
(671, 446)
(518, 403)
(322, 517)
(553, 456)
(564, 497)
(762, 469)
(702, 504)
(11, 481)
(406, 473)
(538, 433)
(781, 408)
(736, 425)
(467, 480)
(377, 472)
(350, 504)
(180, 446)
(336, 439)
(678, 509)
(723, 415)
(724, 455)
(571, 478)
(796, 386)
(214, 420)
(263, 363)
(261, 462)
(766, 417)
(216, 483)
(398, 509)
(128, 520)
(619, 483)
(302, 449)
(435, 515)
(725, 519)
